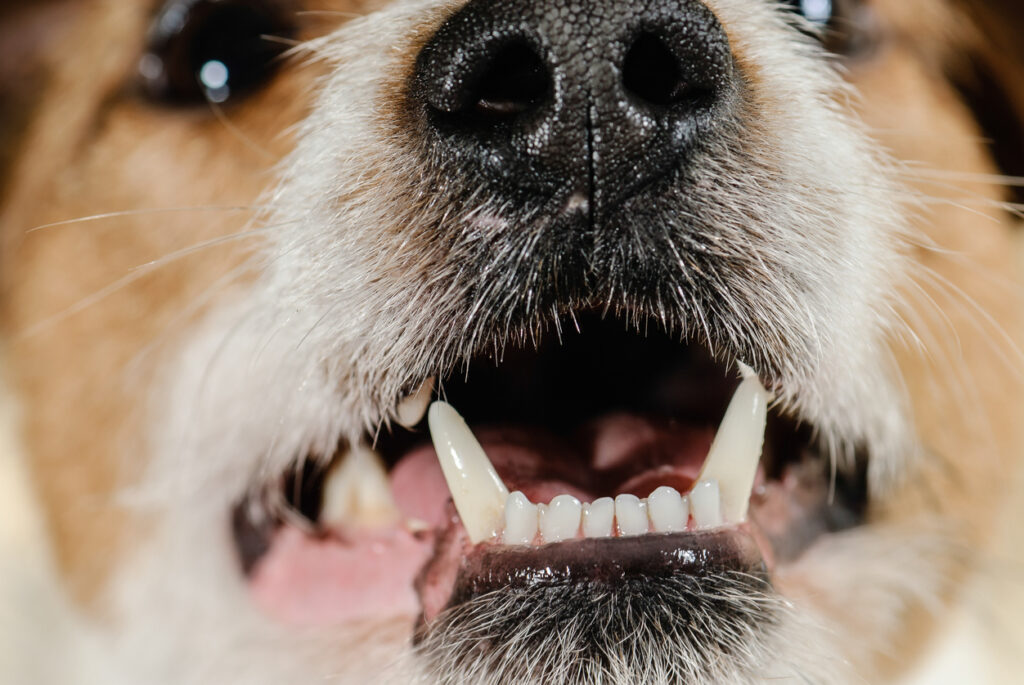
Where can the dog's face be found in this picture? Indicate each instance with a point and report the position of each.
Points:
(573, 223)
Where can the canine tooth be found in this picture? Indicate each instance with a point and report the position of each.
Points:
(357, 493)
(520, 520)
(668, 510)
(477, 489)
(598, 518)
(736, 450)
(706, 504)
(630, 515)
(413, 407)
(560, 520)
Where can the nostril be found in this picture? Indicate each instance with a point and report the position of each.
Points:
(513, 81)
(652, 72)
(561, 103)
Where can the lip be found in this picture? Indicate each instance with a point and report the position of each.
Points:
(599, 565)
(608, 561)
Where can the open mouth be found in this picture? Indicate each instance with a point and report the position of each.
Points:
(605, 469)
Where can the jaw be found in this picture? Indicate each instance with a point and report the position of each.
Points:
(199, 495)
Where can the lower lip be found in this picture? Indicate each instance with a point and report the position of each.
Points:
(601, 563)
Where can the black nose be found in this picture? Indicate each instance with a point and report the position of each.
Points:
(583, 102)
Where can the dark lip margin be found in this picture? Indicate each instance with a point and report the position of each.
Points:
(606, 562)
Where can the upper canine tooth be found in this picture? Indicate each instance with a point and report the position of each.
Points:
(413, 407)
(357, 493)
(477, 489)
(736, 450)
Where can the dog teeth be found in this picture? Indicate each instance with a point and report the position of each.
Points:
(598, 518)
(411, 410)
(630, 515)
(707, 505)
(669, 511)
(356, 492)
(488, 511)
(566, 518)
(560, 520)
(521, 520)
(736, 450)
(477, 489)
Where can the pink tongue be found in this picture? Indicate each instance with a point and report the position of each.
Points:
(369, 575)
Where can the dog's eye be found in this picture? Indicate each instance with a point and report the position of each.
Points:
(845, 27)
(212, 50)
(818, 12)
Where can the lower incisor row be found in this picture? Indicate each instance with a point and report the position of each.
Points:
(566, 518)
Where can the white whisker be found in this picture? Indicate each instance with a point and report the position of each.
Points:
(144, 212)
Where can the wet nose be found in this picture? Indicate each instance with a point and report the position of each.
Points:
(594, 100)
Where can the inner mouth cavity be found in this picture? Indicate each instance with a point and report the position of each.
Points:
(600, 433)
(719, 494)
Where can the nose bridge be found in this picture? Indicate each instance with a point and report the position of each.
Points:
(587, 51)
(618, 91)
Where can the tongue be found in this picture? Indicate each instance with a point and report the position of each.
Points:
(619, 453)
(307, 581)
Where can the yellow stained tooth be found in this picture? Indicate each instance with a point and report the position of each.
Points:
(410, 410)
(736, 451)
(477, 490)
(357, 492)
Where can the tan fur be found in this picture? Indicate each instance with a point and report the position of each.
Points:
(96, 147)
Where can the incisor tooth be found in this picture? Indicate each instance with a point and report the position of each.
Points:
(411, 410)
(357, 492)
(734, 455)
(477, 489)
(598, 518)
(520, 520)
(706, 504)
(630, 515)
(560, 520)
(668, 510)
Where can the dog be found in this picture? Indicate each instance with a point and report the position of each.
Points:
(479, 341)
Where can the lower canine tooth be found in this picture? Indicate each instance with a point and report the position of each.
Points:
(560, 520)
(411, 410)
(598, 518)
(357, 492)
(706, 504)
(520, 520)
(736, 450)
(630, 515)
(668, 510)
(477, 489)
